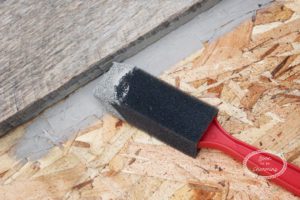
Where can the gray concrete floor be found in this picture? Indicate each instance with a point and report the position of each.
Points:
(81, 108)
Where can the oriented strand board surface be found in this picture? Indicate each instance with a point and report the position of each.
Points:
(252, 74)
(50, 48)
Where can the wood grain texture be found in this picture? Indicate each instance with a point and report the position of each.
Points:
(50, 48)
(251, 74)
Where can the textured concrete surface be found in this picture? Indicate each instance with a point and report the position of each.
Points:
(81, 108)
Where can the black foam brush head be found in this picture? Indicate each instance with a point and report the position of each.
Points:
(158, 108)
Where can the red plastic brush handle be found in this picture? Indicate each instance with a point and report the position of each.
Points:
(263, 163)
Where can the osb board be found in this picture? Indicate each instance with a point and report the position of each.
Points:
(251, 74)
(50, 48)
